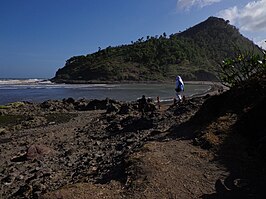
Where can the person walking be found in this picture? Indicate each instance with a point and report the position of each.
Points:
(179, 88)
(158, 102)
(142, 105)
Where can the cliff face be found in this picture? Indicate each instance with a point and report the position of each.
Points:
(194, 54)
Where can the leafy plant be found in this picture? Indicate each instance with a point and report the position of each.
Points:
(236, 70)
(10, 120)
(4, 107)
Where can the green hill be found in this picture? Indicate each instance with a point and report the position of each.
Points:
(194, 54)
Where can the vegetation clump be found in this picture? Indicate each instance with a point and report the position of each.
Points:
(10, 120)
(242, 67)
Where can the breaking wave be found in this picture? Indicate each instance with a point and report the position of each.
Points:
(45, 84)
(24, 81)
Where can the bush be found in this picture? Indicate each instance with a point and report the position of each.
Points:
(245, 64)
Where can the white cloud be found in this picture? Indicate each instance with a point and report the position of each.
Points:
(187, 4)
(229, 14)
(261, 43)
(251, 17)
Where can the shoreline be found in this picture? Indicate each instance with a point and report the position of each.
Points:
(130, 82)
(213, 90)
(41, 80)
(87, 95)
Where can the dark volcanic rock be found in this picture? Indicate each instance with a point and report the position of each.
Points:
(112, 108)
(96, 151)
(96, 104)
(38, 151)
(69, 100)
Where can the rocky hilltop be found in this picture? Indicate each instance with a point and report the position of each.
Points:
(194, 53)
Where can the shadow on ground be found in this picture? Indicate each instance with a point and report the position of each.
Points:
(232, 125)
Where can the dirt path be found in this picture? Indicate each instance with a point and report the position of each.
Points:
(166, 170)
(176, 169)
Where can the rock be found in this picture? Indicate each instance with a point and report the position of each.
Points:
(8, 180)
(150, 107)
(38, 151)
(180, 110)
(24, 191)
(93, 169)
(69, 100)
(19, 158)
(96, 104)
(130, 141)
(125, 108)
(46, 104)
(2, 131)
(114, 128)
(57, 105)
(120, 146)
(112, 108)
(134, 124)
(81, 105)
(34, 121)
(2, 112)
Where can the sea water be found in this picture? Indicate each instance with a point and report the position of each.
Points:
(39, 90)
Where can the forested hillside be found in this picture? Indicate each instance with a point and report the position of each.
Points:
(195, 54)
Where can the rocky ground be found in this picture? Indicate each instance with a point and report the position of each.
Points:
(108, 149)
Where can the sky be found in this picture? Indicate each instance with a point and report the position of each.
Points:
(38, 36)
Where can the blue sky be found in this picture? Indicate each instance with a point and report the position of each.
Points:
(38, 36)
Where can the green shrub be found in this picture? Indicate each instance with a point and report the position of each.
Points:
(4, 107)
(245, 64)
(10, 120)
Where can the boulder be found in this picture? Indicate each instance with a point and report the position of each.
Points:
(112, 108)
(69, 100)
(125, 108)
(37, 151)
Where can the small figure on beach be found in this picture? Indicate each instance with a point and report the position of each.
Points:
(142, 104)
(179, 88)
(158, 102)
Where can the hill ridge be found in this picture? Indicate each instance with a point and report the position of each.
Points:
(194, 54)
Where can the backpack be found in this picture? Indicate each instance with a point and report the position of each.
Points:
(179, 87)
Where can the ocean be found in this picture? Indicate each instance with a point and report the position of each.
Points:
(39, 90)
